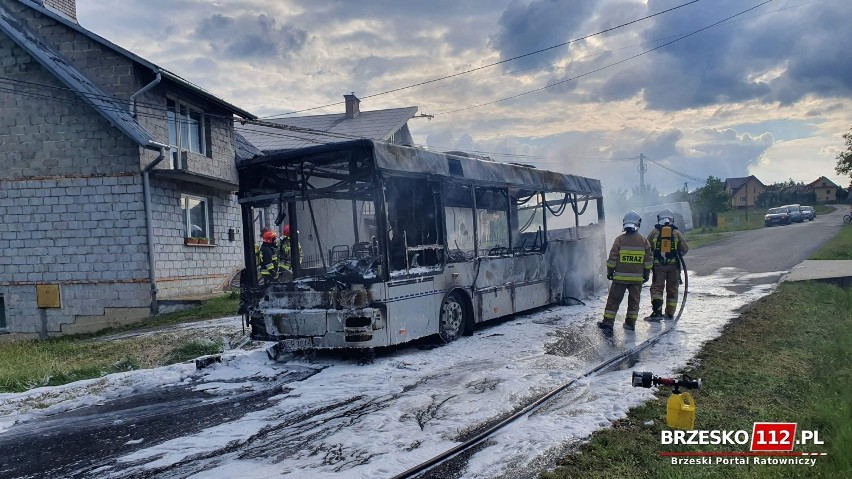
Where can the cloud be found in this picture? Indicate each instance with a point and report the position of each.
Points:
(524, 28)
(250, 37)
(739, 61)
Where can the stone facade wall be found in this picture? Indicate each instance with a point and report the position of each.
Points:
(184, 270)
(85, 233)
(71, 200)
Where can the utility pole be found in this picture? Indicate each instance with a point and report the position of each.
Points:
(642, 169)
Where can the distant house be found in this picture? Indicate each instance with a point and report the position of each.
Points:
(113, 172)
(825, 190)
(298, 132)
(744, 191)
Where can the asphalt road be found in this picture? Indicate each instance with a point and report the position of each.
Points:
(78, 443)
(776, 248)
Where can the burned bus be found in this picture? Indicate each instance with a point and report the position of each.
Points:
(390, 243)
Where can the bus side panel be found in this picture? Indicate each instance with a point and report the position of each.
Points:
(413, 307)
(531, 296)
(577, 266)
(494, 296)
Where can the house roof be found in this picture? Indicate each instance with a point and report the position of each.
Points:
(737, 183)
(305, 131)
(820, 180)
(114, 111)
(170, 76)
(243, 150)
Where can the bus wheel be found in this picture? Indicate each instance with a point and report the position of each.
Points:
(452, 318)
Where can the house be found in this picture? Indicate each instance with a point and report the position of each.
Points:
(113, 171)
(293, 133)
(744, 191)
(296, 132)
(825, 190)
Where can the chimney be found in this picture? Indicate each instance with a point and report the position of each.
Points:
(352, 108)
(67, 8)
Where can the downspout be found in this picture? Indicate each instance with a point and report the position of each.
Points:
(141, 92)
(149, 224)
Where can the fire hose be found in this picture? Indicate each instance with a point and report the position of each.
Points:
(528, 409)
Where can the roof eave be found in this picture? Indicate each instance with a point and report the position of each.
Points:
(136, 58)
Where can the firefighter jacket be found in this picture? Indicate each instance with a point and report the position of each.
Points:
(268, 260)
(666, 243)
(630, 258)
(284, 256)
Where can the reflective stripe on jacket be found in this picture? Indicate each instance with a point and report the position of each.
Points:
(630, 257)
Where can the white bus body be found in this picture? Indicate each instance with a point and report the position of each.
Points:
(416, 244)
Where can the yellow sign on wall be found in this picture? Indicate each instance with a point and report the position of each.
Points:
(47, 296)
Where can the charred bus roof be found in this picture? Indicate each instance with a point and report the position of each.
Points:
(355, 164)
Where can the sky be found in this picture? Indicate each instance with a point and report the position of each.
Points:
(764, 93)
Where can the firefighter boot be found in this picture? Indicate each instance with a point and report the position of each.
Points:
(657, 313)
(606, 324)
(629, 326)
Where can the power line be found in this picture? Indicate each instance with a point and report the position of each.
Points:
(598, 53)
(689, 177)
(604, 67)
(492, 64)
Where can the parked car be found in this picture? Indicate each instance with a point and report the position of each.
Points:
(795, 213)
(777, 216)
(809, 212)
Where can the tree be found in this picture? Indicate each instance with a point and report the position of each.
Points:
(711, 200)
(844, 158)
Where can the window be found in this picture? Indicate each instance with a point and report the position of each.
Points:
(742, 198)
(2, 312)
(492, 221)
(458, 218)
(188, 130)
(195, 216)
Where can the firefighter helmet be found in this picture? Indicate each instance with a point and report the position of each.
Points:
(665, 217)
(631, 221)
(286, 231)
(269, 236)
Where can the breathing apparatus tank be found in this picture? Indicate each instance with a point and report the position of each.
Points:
(665, 219)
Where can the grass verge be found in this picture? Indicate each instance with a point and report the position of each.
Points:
(32, 363)
(788, 358)
(839, 247)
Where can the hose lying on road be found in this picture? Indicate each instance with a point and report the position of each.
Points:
(538, 402)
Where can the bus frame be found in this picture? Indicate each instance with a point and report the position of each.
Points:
(403, 278)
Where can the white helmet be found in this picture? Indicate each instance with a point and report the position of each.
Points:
(631, 221)
(665, 217)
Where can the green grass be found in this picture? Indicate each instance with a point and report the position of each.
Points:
(740, 220)
(788, 358)
(839, 247)
(217, 307)
(27, 364)
(824, 209)
(729, 221)
(702, 237)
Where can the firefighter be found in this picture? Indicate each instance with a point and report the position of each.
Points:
(668, 244)
(258, 258)
(284, 254)
(628, 266)
(268, 256)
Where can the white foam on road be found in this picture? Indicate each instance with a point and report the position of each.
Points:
(351, 421)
